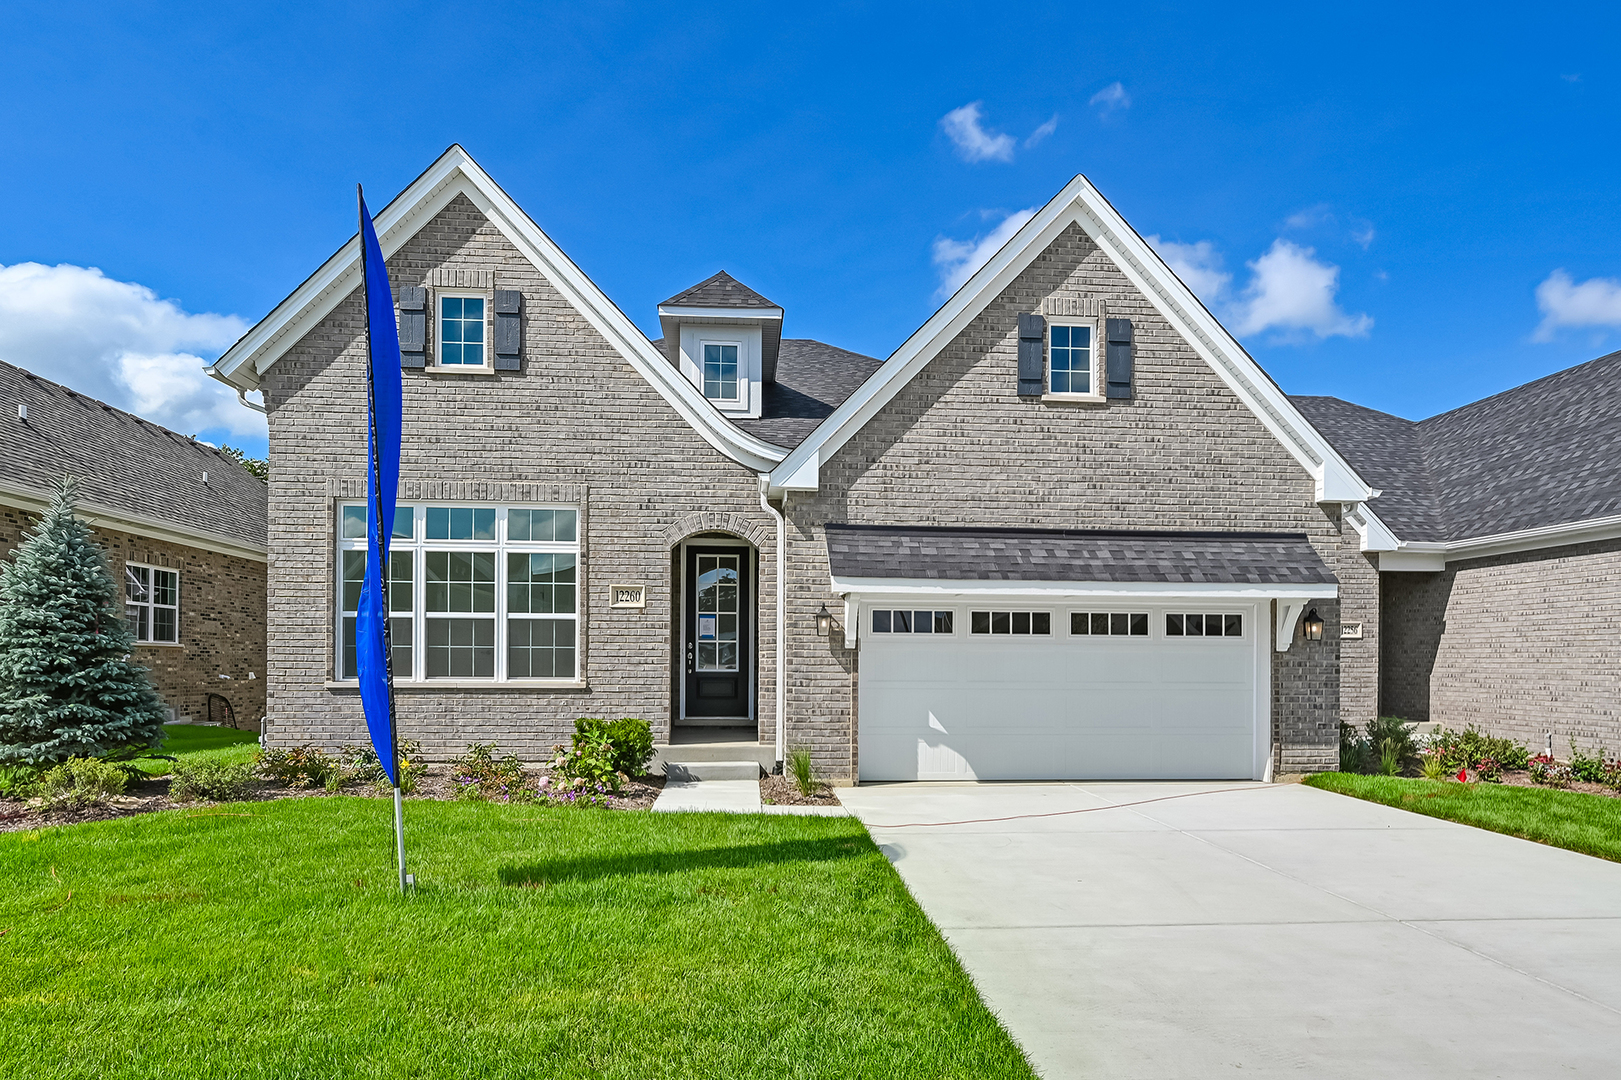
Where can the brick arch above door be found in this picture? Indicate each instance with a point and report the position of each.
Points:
(755, 532)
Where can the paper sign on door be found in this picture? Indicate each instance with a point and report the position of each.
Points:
(706, 628)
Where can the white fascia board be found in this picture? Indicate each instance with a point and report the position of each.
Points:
(762, 314)
(143, 525)
(1414, 558)
(1372, 534)
(1546, 536)
(457, 173)
(1080, 203)
(912, 588)
(805, 478)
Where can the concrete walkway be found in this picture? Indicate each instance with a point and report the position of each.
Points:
(729, 796)
(1185, 930)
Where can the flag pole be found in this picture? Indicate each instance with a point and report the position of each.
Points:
(378, 541)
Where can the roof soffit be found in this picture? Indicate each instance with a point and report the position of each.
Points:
(456, 173)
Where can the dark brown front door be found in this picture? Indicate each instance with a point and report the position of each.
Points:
(719, 637)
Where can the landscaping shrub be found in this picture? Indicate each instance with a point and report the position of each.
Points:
(630, 742)
(1545, 770)
(478, 775)
(799, 767)
(1356, 755)
(299, 767)
(1466, 749)
(215, 781)
(360, 763)
(1588, 767)
(19, 781)
(81, 782)
(1399, 734)
(1432, 765)
(1389, 758)
(587, 766)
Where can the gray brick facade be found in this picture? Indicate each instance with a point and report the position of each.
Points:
(1519, 645)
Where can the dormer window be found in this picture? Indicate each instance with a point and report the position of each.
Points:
(720, 371)
(461, 330)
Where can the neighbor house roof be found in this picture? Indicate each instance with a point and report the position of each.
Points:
(954, 554)
(719, 291)
(813, 378)
(133, 475)
(1538, 456)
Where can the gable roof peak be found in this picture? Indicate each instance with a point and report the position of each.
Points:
(721, 290)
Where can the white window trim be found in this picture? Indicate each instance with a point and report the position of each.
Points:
(440, 295)
(741, 401)
(419, 545)
(150, 605)
(957, 623)
(1095, 395)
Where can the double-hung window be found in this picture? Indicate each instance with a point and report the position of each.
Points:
(461, 331)
(720, 371)
(475, 592)
(1069, 359)
(152, 604)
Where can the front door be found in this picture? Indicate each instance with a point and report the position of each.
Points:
(719, 641)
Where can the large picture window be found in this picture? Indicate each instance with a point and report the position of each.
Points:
(475, 592)
(152, 604)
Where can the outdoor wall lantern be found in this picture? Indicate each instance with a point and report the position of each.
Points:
(1313, 624)
(824, 622)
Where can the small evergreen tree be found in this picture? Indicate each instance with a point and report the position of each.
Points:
(67, 685)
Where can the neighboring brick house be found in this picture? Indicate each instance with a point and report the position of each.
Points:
(1500, 605)
(1068, 529)
(183, 527)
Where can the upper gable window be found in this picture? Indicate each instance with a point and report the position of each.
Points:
(720, 371)
(1069, 359)
(461, 331)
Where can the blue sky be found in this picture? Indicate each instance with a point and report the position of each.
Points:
(1411, 209)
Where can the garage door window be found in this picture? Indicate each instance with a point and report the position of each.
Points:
(1184, 625)
(1026, 623)
(898, 621)
(1108, 623)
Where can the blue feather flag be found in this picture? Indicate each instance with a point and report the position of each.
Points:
(383, 408)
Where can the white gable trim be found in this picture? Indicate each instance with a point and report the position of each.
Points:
(1080, 203)
(456, 173)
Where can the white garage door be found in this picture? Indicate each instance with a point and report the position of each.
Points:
(1005, 692)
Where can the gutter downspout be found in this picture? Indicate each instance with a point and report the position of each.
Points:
(242, 396)
(782, 608)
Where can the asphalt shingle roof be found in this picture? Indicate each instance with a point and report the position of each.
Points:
(721, 291)
(123, 462)
(1541, 454)
(990, 554)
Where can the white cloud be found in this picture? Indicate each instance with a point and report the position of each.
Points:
(117, 341)
(1042, 132)
(1110, 98)
(962, 126)
(1595, 302)
(1362, 234)
(1290, 290)
(1198, 265)
(1309, 217)
(958, 259)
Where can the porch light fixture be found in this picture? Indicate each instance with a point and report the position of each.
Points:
(824, 622)
(1313, 625)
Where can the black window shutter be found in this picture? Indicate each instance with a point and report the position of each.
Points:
(1032, 355)
(1118, 333)
(413, 326)
(508, 328)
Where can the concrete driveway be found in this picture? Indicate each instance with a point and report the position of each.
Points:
(1255, 930)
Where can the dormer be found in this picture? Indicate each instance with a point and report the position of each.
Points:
(724, 337)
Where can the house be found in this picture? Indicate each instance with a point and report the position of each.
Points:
(1500, 604)
(1068, 529)
(183, 527)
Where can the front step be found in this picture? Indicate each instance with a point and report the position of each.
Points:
(691, 747)
(680, 771)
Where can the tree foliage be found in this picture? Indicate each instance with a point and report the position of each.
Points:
(68, 687)
(259, 467)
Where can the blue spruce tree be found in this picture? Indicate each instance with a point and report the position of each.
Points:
(67, 685)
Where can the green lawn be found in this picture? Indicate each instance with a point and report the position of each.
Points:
(1590, 824)
(196, 742)
(268, 940)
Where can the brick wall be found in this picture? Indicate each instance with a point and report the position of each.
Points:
(958, 446)
(1518, 645)
(222, 622)
(577, 417)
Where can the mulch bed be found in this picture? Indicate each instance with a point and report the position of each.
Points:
(1522, 778)
(150, 795)
(781, 791)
